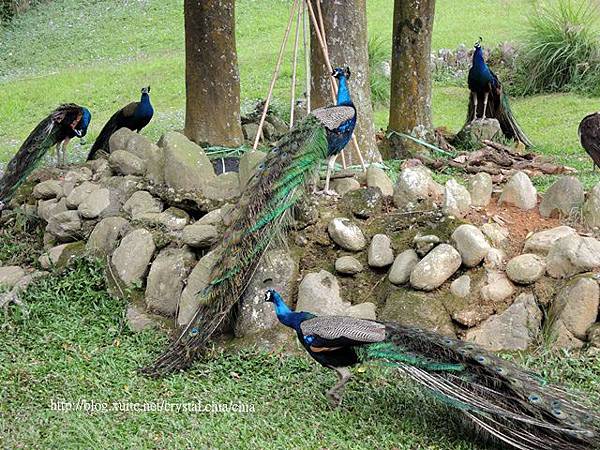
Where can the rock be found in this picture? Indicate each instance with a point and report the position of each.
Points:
(95, 204)
(65, 226)
(346, 234)
(142, 202)
(424, 244)
(519, 192)
(457, 199)
(461, 287)
(10, 276)
(479, 130)
(248, 163)
(344, 185)
(78, 175)
(471, 244)
(174, 219)
(200, 236)
(118, 140)
(48, 208)
(196, 283)
(403, 265)
(561, 199)
(591, 208)
(494, 259)
(225, 187)
(167, 278)
(380, 253)
(151, 155)
(571, 255)
(132, 257)
(100, 168)
(377, 178)
(574, 310)
(62, 256)
(543, 241)
(138, 320)
(515, 329)
(415, 186)
(435, 268)
(214, 217)
(525, 269)
(47, 190)
(498, 287)
(123, 187)
(250, 131)
(495, 233)
(103, 239)
(277, 270)
(593, 335)
(80, 193)
(348, 265)
(363, 203)
(480, 189)
(125, 163)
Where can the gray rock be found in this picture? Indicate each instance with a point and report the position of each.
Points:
(435, 268)
(132, 257)
(142, 202)
(200, 236)
(461, 287)
(481, 129)
(498, 287)
(424, 244)
(348, 265)
(377, 178)
(471, 244)
(166, 279)
(403, 265)
(344, 185)
(62, 256)
(250, 131)
(123, 187)
(48, 208)
(214, 217)
(78, 175)
(363, 203)
(174, 219)
(519, 192)
(494, 259)
(543, 241)
(100, 169)
(563, 198)
(95, 204)
(591, 208)
(525, 269)
(495, 233)
(10, 276)
(415, 186)
(480, 188)
(457, 200)
(248, 163)
(346, 234)
(571, 255)
(225, 187)
(65, 226)
(515, 329)
(47, 190)
(125, 163)
(80, 193)
(103, 239)
(118, 140)
(138, 320)
(593, 335)
(151, 155)
(380, 253)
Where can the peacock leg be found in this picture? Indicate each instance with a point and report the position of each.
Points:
(336, 392)
(58, 151)
(330, 167)
(485, 100)
(474, 94)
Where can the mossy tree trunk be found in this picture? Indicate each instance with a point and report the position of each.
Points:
(211, 73)
(410, 100)
(345, 23)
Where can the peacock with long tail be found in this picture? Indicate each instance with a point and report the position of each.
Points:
(488, 100)
(260, 217)
(64, 123)
(589, 135)
(507, 403)
(134, 116)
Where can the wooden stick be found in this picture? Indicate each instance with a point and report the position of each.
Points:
(275, 74)
(294, 68)
(306, 55)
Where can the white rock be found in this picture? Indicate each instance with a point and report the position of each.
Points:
(348, 265)
(461, 287)
(380, 253)
(525, 269)
(377, 177)
(457, 199)
(435, 268)
(571, 255)
(471, 244)
(346, 234)
(480, 188)
(403, 265)
(542, 241)
(519, 192)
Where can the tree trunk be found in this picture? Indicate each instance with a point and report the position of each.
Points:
(345, 23)
(410, 100)
(211, 74)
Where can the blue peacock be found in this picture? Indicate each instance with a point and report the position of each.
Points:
(64, 123)
(488, 100)
(507, 403)
(134, 116)
(261, 216)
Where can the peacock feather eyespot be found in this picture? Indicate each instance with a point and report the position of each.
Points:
(501, 371)
(559, 414)
(534, 398)
(194, 331)
(482, 359)
(448, 341)
(556, 404)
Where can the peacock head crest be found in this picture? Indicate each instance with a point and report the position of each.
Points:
(339, 72)
(146, 90)
(270, 295)
(478, 43)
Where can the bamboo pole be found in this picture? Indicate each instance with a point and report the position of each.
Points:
(294, 68)
(306, 54)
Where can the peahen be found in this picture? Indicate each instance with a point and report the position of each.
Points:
(500, 399)
(260, 217)
(65, 122)
(589, 135)
(134, 116)
(487, 98)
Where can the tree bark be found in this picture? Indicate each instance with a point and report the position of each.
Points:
(410, 100)
(211, 74)
(345, 23)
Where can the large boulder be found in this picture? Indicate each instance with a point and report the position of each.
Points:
(65, 226)
(416, 186)
(47, 190)
(132, 258)
(479, 130)
(519, 192)
(561, 199)
(471, 244)
(80, 193)
(377, 178)
(105, 235)
(542, 241)
(571, 255)
(125, 163)
(100, 203)
(48, 208)
(141, 203)
(200, 236)
(225, 187)
(346, 234)
(435, 268)
(150, 154)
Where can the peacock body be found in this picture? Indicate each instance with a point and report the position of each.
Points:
(64, 123)
(589, 135)
(260, 217)
(511, 405)
(134, 116)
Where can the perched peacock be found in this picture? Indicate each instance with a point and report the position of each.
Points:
(488, 99)
(65, 122)
(134, 116)
(589, 135)
(511, 405)
(260, 216)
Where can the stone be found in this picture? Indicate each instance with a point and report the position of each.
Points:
(348, 265)
(118, 140)
(543, 241)
(47, 190)
(471, 244)
(344, 185)
(571, 255)
(132, 257)
(95, 204)
(416, 186)
(435, 268)
(519, 192)
(248, 163)
(250, 131)
(151, 155)
(346, 234)
(125, 163)
(65, 226)
(363, 203)
(142, 202)
(403, 265)
(494, 259)
(424, 244)
(380, 253)
(62, 256)
(525, 269)
(103, 239)
(100, 168)
(461, 287)
(565, 196)
(225, 187)
(78, 175)
(196, 283)
(515, 329)
(138, 320)
(591, 208)
(593, 335)
(10, 276)
(48, 208)
(174, 219)
(480, 130)
(123, 187)
(200, 236)
(457, 200)
(497, 234)
(498, 287)
(166, 279)
(480, 189)
(214, 217)
(80, 193)
(377, 178)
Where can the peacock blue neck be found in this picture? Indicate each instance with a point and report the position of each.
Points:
(343, 97)
(478, 60)
(145, 98)
(285, 315)
(145, 107)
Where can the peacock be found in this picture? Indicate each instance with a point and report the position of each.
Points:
(509, 404)
(261, 216)
(134, 116)
(486, 90)
(589, 135)
(64, 123)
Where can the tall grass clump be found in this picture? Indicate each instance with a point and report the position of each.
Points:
(379, 54)
(562, 48)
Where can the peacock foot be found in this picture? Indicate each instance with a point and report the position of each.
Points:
(335, 399)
